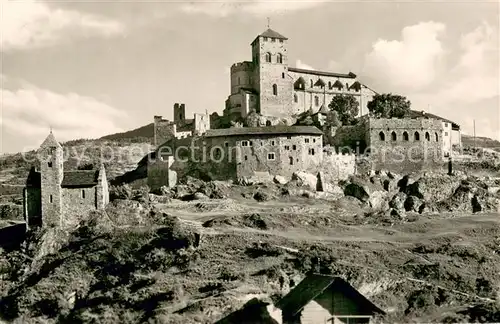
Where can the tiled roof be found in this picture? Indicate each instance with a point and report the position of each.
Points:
(349, 75)
(269, 130)
(272, 34)
(313, 285)
(50, 141)
(423, 114)
(80, 178)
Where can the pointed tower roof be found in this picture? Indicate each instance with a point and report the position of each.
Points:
(50, 141)
(271, 34)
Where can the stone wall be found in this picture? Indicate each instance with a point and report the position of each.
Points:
(160, 173)
(405, 145)
(338, 166)
(241, 156)
(241, 76)
(77, 203)
(163, 130)
(32, 206)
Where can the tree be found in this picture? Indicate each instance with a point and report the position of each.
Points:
(332, 118)
(388, 105)
(347, 108)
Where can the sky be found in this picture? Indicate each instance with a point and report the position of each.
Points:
(89, 68)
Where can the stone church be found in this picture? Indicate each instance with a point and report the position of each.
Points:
(269, 86)
(54, 197)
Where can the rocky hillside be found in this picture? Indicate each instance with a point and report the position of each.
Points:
(423, 248)
(469, 141)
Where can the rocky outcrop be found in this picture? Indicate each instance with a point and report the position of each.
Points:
(305, 179)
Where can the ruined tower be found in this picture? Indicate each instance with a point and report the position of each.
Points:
(179, 113)
(269, 52)
(51, 172)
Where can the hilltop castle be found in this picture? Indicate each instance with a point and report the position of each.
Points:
(54, 197)
(271, 88)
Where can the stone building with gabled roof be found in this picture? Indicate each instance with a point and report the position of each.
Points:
(54, 197)
(326, 299)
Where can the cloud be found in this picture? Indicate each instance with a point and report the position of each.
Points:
(301, 65)
(29, 111)
(31, 24)
(255, 7)
(410, 63)
(460, 84)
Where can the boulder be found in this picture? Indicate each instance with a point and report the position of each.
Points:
(305, 179)
(412, 204)
(261, 196)
(365, 192)
(358, 190)
(398, 201)
(378, 200)
(181, 191)
(404, 182)
(433, 188)
(279, 180)
(389, 184)
(199, 196)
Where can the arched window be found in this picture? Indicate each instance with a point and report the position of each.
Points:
(405, 136)
(295, 98)
(437, 137)
(381, 135)
(316, 100)
(417, 136)
(275, 89)
(427, 136)
(268, 57)
(394, 136)
(312, 84)
(279, 59)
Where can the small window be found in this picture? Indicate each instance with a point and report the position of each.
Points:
(405, 136)
(427, 136)
(283, 75)
(268, 123)
(279, 59)
(50, 198)
(316, 100)
(445, 124)
(312, 84)
(295, 98)
(306, 140)
(381, 136)
(246, 158)
(251, 144)
(437, 137)
(417, 136)
(273, 40)
(83, 194)
(49, 164)
(244, 143)
(268, 57)
(275, 89)
(291, 160)
(294, 147)
(314, 140)
(329, 84)
(226, 144)
(287, 147)
(445, 133)
(311, 151)
(288, 137)
(265, 39)
(272, 143)
(394, 137)
(281, 41)
(270, 156)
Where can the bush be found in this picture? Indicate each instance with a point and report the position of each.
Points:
(120, 192)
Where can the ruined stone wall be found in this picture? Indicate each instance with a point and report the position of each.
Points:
(407, 145)
(32, 205)
(201, 123)
(160, 173)
(338, 166)
(77, 203)
(163, 130)
(179, 113)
